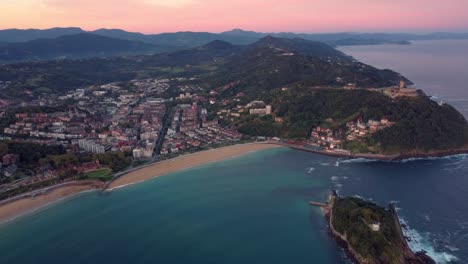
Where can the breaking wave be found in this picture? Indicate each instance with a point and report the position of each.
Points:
(419, 242)
(451, 157)
(458, 158)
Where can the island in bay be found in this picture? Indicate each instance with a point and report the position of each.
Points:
(70, 125)
(370, 233)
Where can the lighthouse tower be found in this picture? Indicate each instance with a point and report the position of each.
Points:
(402, 84)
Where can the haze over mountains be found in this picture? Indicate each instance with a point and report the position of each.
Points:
(71, 46)
(32, 44)
(266, 64)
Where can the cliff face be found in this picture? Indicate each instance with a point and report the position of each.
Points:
(380, 242)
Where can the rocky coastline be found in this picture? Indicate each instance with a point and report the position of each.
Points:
(381, 157)
(407, 255)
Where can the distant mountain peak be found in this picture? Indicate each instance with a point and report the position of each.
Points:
(24, 35)
(270, 41)
(83, 36)
(298, 45)
(217, 44)
(109, 29)
(238, 31)
(269, 37)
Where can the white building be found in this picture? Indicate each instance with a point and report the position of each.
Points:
(91, 146)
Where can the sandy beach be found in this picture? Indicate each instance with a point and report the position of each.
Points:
(12, 210)
(26, 205)
(187, 161)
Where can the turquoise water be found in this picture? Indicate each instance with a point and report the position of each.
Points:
(251, 209)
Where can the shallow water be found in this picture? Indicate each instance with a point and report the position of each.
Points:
(251, 209)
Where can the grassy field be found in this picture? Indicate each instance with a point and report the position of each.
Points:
(99, 174)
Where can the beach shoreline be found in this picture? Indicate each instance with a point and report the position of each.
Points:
(27, 203)
(188, 161)
(11, 209)
(36, 200)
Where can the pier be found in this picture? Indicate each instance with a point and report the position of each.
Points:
(323, 205)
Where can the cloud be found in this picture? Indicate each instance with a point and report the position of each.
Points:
(219, 15)
(170, 3)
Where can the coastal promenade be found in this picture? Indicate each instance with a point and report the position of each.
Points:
(46, 190)
(394, 157)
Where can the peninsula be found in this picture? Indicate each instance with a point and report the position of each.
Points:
(370, 233)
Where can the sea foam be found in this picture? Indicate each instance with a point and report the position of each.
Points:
(450, 157)
(419, 242)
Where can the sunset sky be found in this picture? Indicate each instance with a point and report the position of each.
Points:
(155, 16)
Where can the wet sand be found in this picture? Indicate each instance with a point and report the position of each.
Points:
(26, 205)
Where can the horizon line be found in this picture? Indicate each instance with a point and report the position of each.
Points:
(464, 31)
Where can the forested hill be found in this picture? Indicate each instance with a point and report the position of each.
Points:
(372, 232)
(421, 125)
(72, 46)
(298, 45)
(272, 63)
(265, 65)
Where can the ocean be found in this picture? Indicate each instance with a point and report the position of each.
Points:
(250, 209)
(254, 208)
(439, 67)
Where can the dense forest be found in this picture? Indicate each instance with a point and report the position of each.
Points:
(421, 124)
(262, 69)
(33, 156)
(353, 217)
(29, 153)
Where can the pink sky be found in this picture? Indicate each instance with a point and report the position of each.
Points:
(154, 16)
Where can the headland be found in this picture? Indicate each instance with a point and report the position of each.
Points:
(372, 156)
(370, 234)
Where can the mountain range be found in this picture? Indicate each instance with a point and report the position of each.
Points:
(235, 36)
(34, 44)
(73, 46)
(266, 64)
